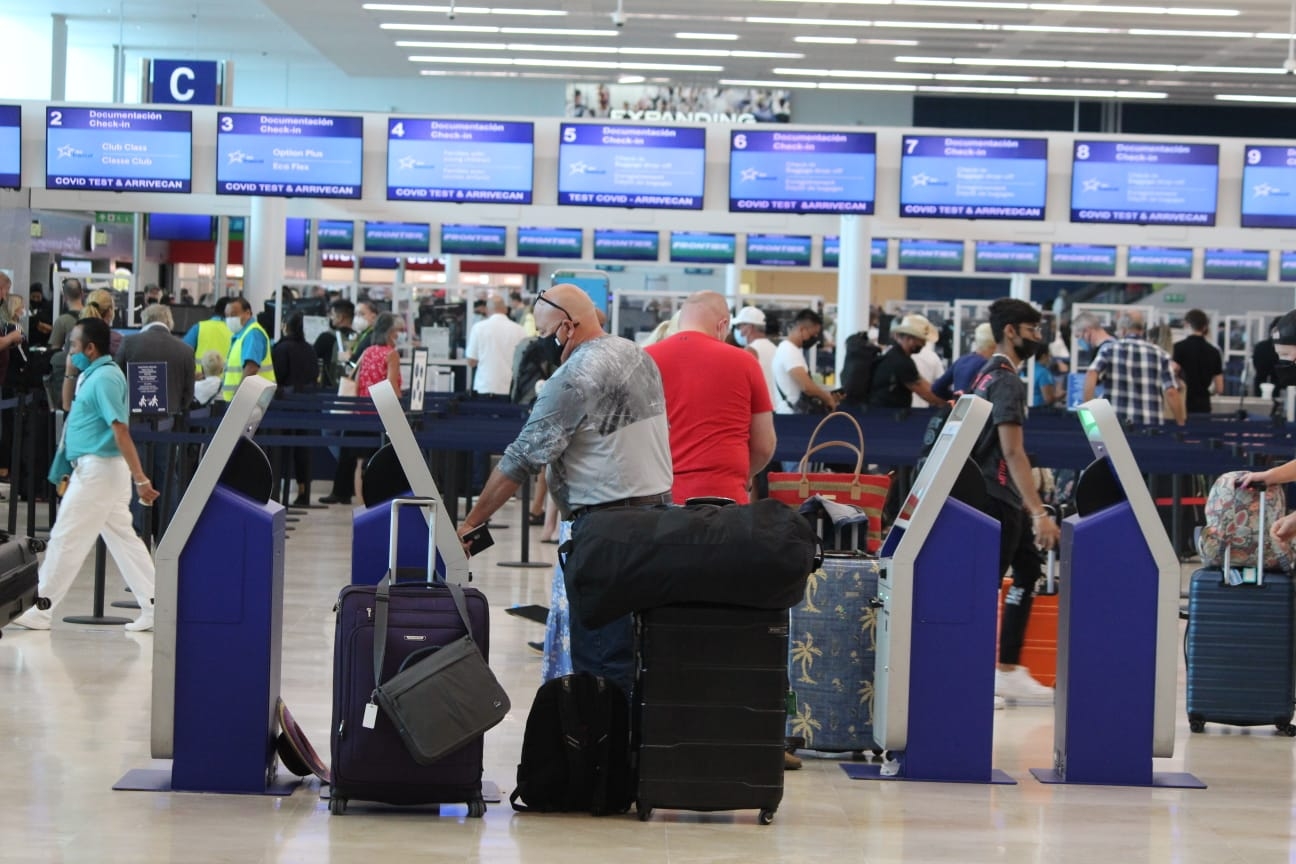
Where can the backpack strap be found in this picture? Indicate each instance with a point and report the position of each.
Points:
(603, 742)
(575, 738)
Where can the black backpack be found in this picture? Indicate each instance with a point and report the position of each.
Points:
(857, 368)
(576, 749)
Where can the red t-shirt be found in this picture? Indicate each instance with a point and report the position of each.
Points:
(712, 391)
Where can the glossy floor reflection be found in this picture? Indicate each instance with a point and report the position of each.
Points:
(74, 718)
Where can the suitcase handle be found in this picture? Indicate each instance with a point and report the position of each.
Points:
(427, 504)
(1260, 489)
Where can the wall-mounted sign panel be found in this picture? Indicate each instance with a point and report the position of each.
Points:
(481, 161)
(832, 252)
(1071, 259)
(295, 236)
(335, 236)
(473, 239)
(626, 245)
(802, 172)
(118, 149)
(179, 226)
(550, 242)
(657, 167)
(10, 147)
(1241, 265)
(414, 237)
(778, 250)
(289, 155)
(994, 257)
(943, 255)
(1269, 187)
(1144, 183)
(691, 247)
(973, 178)
(1287, 267)
(1153, 262)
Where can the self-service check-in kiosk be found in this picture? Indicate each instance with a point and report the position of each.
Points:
(371, 526)
(1118, 625)
(218, 619)
(934, 677)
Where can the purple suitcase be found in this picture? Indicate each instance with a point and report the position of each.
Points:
(373, 764)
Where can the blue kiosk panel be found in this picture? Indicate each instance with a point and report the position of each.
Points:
(370, 543)
(229, 629)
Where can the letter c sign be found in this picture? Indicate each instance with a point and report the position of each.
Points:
(185, 82)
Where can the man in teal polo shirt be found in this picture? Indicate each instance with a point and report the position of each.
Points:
(97, 502)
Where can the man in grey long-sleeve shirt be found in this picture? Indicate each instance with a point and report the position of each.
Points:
(599, 428)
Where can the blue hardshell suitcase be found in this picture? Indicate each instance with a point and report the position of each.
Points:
(832, 643)
(1239, 647)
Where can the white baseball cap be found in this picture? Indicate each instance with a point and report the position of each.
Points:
(750, 315)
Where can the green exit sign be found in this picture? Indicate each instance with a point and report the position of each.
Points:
(109, 218)
(1174, 298)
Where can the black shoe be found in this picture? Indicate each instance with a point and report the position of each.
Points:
(335, 499)
(301, 501)
(537, 647)
(535, 518)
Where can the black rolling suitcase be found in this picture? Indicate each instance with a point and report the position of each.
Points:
(370, 760)
(710, 709)
(1239, 645)
(18, 567)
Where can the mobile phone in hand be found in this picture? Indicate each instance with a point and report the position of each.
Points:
(478, 540)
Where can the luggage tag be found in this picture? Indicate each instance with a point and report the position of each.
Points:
(370, 716)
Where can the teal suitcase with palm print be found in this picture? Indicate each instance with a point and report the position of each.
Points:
(832, 640)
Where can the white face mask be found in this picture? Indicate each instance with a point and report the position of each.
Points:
(402, 338)
(234, 323)
(740, 337)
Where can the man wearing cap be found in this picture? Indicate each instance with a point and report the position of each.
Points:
(1138, 375)
(929, 364)
(749, 333)
(896, 376)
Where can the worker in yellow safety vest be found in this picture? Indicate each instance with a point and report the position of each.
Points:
(210, 335)
(249, 354)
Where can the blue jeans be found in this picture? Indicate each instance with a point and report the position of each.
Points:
(608, 650)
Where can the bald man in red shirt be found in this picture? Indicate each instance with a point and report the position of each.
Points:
(717, 404)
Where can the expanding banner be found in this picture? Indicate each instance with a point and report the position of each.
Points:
(655, 102)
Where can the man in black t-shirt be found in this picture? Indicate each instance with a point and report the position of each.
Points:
(1199, 364)
(895, 376)
(1001, 455)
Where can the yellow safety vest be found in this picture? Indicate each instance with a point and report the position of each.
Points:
(213, 335)
(234, 365)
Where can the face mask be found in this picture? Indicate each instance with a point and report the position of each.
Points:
(235, 324)
(402, 338)
(1083, 344)
(740, 338)
(80, 361)
(811, 342)
(1284, 373)
(1028, 348)
(553, 350)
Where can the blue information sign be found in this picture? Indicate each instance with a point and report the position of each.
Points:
(1269, 187)
(1144, 183)
(1154, 262)
(778, 250)
(335, 236)
(179, 226)
(973, 178)
(1287, 267)
(118, 149)
(398, 237)
(551, 242)
(1241, 265)
(459, 160)
(657, 167)
(945, 255)
(10, 146)
(802, 172)
(473, 239)
(148, 387)
(995, 257)
(1071, 259)
(184, 82)
(832, 252)
(295, 236)
(289, 155)
(693, 247)
(626, 245)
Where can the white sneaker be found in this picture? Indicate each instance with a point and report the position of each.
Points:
(34, 619)
(1020, 688)
(144, 622)
(999, 703)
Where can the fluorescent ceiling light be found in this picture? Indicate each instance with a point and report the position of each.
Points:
(810, 22)
(1197, 34)
(1049, 28)
(1246, 97)
(1085, 94)
(853, 73)
(782, 85)
(630, 79)
(953, 76)
(885, 88)
(1090, 64)
(722, 37)
(576, 64)
(1034, 7)
(522, 47)
(934, 25)
(827, 40)
(515, 31)
(460, 10)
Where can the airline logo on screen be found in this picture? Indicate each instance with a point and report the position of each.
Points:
(289, 155)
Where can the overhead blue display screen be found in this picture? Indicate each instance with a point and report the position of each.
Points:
(289, 155)
(931, 255)
(335, 236)
(118, 149)
(778, 250)
(295, 237)
(995, 257)
(690, 247)
(1287, 267)
(551, 242)
(1144, 183)
(1070, 259)
(656, 167)
(626, 245)
(1155, 262)
(973, 178)
(1269, 187)
(413, 237)
(459, 160)
(802, 172)
(473, 239)
(1242, 265)
(832, 252)
(10, 146)
(180, 226)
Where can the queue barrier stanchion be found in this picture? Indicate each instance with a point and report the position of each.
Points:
(15, 462)
(526, 561)
(97, 617)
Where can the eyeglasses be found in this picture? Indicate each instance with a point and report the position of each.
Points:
(540, 298)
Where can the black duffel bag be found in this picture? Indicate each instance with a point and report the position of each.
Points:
(624, 559)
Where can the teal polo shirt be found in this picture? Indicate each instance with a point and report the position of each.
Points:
(100, 402)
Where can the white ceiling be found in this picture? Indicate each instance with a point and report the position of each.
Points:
(1229, 47)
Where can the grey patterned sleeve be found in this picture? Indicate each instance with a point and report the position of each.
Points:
(554, 418)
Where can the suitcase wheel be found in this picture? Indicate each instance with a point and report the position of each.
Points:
(1287, 729)
(476, 808)
(337, 805)
(43, 603)
(645, 812)
(766, 817)
(1196, 724)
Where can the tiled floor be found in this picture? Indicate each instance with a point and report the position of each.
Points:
(74, 718)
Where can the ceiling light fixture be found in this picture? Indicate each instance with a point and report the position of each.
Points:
(1033, 7)
(578, 64)
(461, 10)
(630, 79)
(514, 31)
(1089, 64)
(1247, 97)
(827, 40)
(719, 37)
(522, 47)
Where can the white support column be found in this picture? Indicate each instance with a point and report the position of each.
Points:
(263, 253)
(58, 57)
(222, 257)
(137, 267)
(1019, 286)
(733, 284)
(854, 282)
(451, 263)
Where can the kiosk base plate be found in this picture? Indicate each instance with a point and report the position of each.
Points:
(159, 780)
(865, 771)
(1160, 779)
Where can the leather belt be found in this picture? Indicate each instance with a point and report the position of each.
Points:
(637, 501)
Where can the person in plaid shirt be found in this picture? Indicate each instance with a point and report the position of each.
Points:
(1137, 374)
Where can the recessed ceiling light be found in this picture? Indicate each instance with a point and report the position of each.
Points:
(1246, 97)
(631, 79)
(1198, 34)
(577, 64)
(781, 85)
(720, 37)
(1090, 64)
(1133, 10)
(516, 31)
(827, 40)
(460, 10)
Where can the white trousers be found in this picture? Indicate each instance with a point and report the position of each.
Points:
(97, 503)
